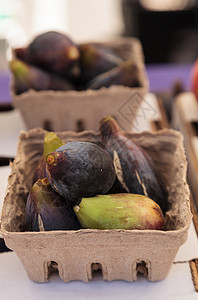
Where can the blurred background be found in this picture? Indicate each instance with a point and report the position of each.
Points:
(167, 29)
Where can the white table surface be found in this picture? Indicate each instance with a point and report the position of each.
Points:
(11, 123)
(14, 283)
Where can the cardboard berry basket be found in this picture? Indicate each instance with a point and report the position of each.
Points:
(120, 254)
(76, 110)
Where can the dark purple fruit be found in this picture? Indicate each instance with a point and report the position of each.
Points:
(51, 142)
(96, 59)
(53, 51)
(47, 210)
(21, 53)
(134, 168)
(29, 77)
(126, 74)
(80, 169)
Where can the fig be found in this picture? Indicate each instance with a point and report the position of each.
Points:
(135, 170)
(80, 169)
(20, 53)
(30, 77)
(53, 51)
(126, 74)
(96, 59)
(194, 78)
(51, 142)
(47, 210)
(119, 211)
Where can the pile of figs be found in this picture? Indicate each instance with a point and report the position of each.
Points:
(108, 185)
(52, 61)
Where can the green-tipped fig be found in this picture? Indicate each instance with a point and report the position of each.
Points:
(96, 59)
(48, 210)
(53, 51)
(134, 168)
(30, 77)
(119, 211)
(80, 169)
(127, 74)
(51, 142)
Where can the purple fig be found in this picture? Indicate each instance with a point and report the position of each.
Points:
(51, 142)
(134, 168)
(21, 53)
(48, 210)
(80, 169)
(29, 77)
(53, 51)
(96, 59)
(127, 74)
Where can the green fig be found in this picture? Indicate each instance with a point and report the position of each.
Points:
(96, 59)
(47, 210)
(51, 142)
(135, 170)
(127, 74)
(119, 211)
(30, 77)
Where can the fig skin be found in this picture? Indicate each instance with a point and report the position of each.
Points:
(51, 142)
(137, 168)
(20, 53)
(96, 59)
(80, 169)
(126, 74)
(119, 211)
(47, 210)
(28, 77)
(53, 51)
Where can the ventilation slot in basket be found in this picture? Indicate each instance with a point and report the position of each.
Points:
(47, 125)
(96, 271)
(142, 269)
(80, 125)
(52, 268)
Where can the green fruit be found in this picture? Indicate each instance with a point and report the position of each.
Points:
(51, 142)
(119, 211)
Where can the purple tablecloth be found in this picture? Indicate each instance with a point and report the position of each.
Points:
(5, 96)
(161, 78)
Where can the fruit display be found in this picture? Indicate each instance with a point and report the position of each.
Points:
(37, 221)
(108, 185)
(52, 61)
